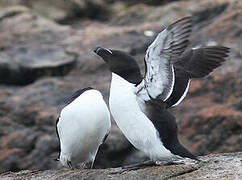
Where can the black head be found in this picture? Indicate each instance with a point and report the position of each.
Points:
(121, 63)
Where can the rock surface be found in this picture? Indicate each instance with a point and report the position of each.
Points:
(65, 11)
(209, 119)
(32, 47)
(220, 166)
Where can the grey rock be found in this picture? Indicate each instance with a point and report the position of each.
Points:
(214, 166)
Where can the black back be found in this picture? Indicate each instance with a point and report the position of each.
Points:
(76, 95)
(165, 123)
(121, 63)
(56, 130)
(181, 82)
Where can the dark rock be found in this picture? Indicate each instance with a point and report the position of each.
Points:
(21, 139)
(209, 13)
(208, 117)
(212, 129)
(113, 151)
(135, 157)
(41, 157)
(35, 51)
(8, 159)
(65, 12)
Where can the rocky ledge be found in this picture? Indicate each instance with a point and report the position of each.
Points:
(214, 166)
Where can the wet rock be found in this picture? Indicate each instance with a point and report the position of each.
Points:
(31, 47)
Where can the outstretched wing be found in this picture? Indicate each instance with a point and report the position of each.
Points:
(159, 59)
(199, 62)
(194, 63)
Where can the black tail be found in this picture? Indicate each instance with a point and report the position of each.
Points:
(166, 125)
(180, 150)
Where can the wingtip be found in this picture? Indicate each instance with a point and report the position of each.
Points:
(223, 51)
(224, 48)
(184, 20)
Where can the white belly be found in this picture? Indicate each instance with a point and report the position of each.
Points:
(137, 128)
(82, 127)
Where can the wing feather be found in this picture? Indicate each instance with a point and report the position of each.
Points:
(200, 62)
(159, 59)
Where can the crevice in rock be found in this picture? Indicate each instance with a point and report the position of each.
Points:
(10, 14)
(24, 76)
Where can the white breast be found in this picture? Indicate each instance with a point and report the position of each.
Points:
(82, 126)
(137, 128)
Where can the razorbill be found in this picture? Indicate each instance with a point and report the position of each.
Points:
(83, 125)
(138, 104)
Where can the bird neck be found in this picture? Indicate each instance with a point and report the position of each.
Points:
(132, 75)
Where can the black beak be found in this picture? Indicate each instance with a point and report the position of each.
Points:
(97, 49)
(102, 51)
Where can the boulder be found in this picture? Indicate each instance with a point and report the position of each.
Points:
(31, 47)
(65, 12)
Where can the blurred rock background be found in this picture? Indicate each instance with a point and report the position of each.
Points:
(46, 55)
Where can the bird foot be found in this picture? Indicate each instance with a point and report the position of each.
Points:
(87, 165)
(174, 162)
(70, 165)
(152, 163)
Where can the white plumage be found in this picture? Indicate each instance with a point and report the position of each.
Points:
(82, 126)
(137, 128)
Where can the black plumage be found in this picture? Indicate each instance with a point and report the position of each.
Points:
(165, 124)
(195, 63)
(76, 95)
(199, 62)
